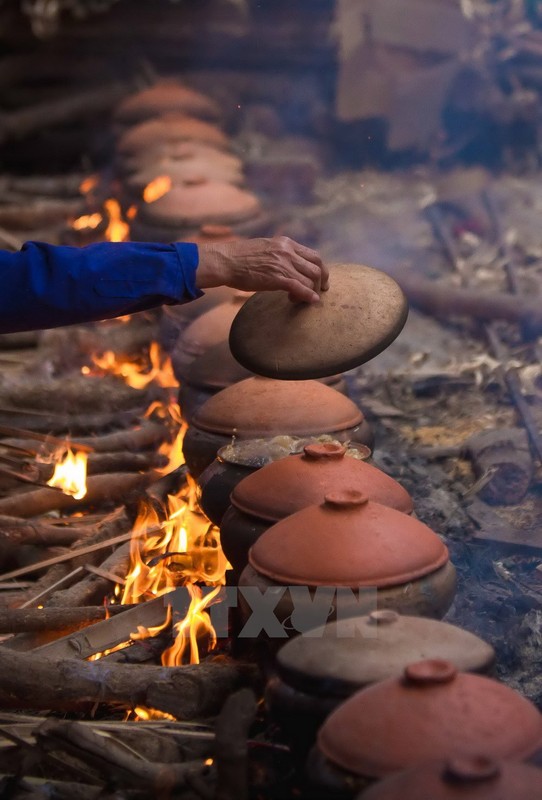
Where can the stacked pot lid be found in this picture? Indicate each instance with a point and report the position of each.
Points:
(178, 168)
(432, 712)
(291, 484)
(469, 777)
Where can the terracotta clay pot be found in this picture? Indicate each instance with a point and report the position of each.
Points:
(287, 486)
(221, 477)
(206, 331)
(317, 671)
(164, 97)
(170, 128)
(468, 777)
(186, 171)
(393, 560)
(199, 203)
(175, 319)
(431, 713)
(177, 151)
(263, 408)
(213, 370)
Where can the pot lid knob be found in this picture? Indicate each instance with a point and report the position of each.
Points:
(385, 616)
(471, 769)
(345, 499)
(430, 672)
(325, 450)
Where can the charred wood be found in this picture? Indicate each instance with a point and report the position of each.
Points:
(17, 124)
(101, 489)
(188, 693)
(31, 620)
(231, 746)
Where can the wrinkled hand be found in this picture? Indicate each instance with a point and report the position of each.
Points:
(256, 265)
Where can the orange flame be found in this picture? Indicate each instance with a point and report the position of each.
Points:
(156, 188)
(157, 368)
(88, 184)
(192, 629)
(117, 229)
(87, 222)
(70, 474)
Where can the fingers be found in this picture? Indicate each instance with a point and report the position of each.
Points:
(314, 258)
(308, 270)
(298, 292)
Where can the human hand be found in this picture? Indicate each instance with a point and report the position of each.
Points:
(256, 265)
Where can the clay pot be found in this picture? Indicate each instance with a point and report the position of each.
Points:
(469, 777)
(176, 318)
(164, 97)
(287, 486)
(186, 171)
(215, 369)
(170, 128)
(177, 151)
(199, 203)
(260, 407)
(393, 560)
(432, 712)
(220, 478)
(316, 671)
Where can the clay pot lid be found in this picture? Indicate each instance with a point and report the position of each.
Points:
(341, 657)
(348, 541)
(170, 128)
(363, 311)
(287, 486)
(470, 777)
(432, 712)
(200, 203)
(181, 171)
(215, 368)
(164, 97)
(212, 327)
(263, 407)
(179, 152)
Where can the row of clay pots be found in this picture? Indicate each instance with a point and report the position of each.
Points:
(171, 130)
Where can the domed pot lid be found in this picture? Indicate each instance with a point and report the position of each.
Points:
(363, 311)
(166, 96)
(348, 541)
(293, 483)
(212, 327)
(256, 453)
(179, 151)
(202, 202)
(215, 368)
(170, 128)
(432, 712)
(344, 656)
(469, 777)
(263, 407)
(187, 170)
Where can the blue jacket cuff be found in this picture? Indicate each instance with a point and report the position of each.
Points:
(189, 260)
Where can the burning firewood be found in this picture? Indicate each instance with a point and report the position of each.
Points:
(187, 693)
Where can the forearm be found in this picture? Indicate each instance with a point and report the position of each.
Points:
(44, 286)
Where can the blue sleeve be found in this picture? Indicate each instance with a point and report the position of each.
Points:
(44, 286)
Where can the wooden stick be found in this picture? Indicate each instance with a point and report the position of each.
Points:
(187, 693)
(231, 747)
(113, 760)
(108, 488)
(48, 589)
(17, 124)
(31, 620)
(22, 433)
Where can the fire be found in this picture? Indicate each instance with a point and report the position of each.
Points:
(117, 229)
(138, 374)
(87, 222)
(70, 474)
(156, 188)
(194, 628)
(88, 184)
